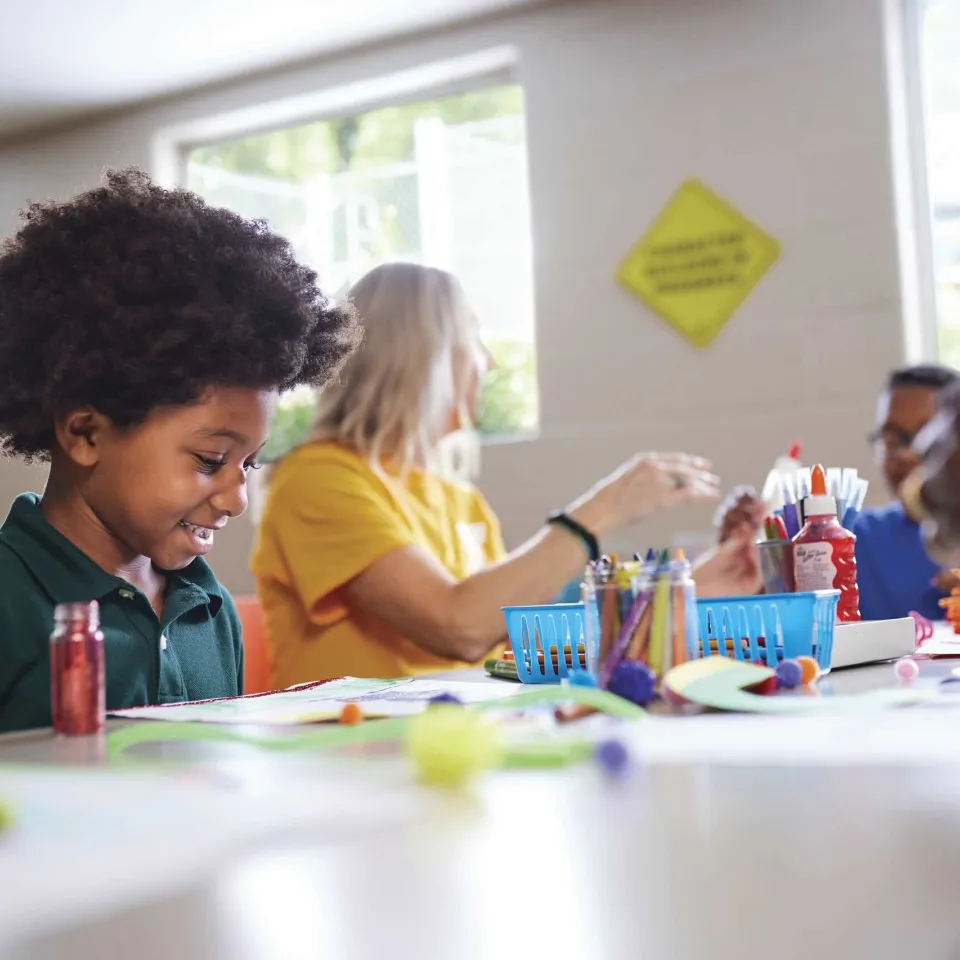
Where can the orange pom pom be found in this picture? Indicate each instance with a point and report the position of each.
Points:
(351, 714)
(810, 668)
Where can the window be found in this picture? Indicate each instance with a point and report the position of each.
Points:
(442, 182)
(940, 79)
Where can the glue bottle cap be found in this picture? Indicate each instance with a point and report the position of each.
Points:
(819, 504)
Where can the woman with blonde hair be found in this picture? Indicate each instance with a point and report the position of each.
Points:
(373, 560)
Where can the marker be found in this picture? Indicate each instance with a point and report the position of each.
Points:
(780, 529)
(855, 504)
(848, 487)
(791, 518)
(834, 476)
(803, 491)
(501, 669)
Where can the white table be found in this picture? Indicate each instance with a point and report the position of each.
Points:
(682, 861)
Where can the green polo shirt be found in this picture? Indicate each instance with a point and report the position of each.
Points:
(193, 652)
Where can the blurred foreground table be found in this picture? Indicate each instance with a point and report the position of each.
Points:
(679, 861)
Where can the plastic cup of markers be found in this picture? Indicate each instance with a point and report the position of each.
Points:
(775, 566)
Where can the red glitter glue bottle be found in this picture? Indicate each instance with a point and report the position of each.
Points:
(77, 675)
(824, 552)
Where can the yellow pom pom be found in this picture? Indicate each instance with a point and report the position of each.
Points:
(448, 745)
(6, 816)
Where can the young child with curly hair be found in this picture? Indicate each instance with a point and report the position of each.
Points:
(144, 338)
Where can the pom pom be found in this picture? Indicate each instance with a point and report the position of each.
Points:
(581, 678)
(449, 745)
(906, 669)
(810, 668)
(446, 698)
(633, 681)
(351, 714)
(613, 757)
(790, 674)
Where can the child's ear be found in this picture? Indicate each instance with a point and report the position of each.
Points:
(79, 434)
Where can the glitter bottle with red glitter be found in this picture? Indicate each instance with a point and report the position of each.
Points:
(77, 676)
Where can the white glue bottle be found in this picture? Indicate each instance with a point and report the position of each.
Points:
(784, 467)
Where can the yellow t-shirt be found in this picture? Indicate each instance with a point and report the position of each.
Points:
(328, 516)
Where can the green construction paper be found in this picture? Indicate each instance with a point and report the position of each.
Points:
(686, 678)
(718, 682)
(119, 742)
(558, 754)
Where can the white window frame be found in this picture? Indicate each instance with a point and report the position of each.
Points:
(909, 125)
(486, 68)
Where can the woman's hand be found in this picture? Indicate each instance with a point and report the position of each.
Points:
(730, 570)
(741, 511)
(645, 484)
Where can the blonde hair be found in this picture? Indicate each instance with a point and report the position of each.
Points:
(398, 393)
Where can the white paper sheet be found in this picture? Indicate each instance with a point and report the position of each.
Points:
(377, 698)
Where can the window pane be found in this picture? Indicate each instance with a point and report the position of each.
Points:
(443, 183)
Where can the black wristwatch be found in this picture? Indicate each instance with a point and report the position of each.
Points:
(589, 541)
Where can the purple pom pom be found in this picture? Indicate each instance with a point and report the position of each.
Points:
(447, 698)
(612, 756)
(633, 681)
(790, 674)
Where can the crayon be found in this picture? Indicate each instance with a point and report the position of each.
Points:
(658, 626)
(501, 669)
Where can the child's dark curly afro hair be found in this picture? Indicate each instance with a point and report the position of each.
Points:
(130, 297)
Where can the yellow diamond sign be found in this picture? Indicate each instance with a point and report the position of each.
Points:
(698, 262)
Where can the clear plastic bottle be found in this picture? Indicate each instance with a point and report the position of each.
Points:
(783, 467)
(824, 556)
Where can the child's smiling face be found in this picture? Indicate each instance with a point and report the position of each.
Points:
(161, 489)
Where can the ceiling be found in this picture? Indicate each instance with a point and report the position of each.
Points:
(60, 59)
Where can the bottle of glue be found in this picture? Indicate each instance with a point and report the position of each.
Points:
(785, 467)
(823, 551)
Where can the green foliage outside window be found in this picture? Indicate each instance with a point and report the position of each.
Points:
(508, 403)
(373, 142)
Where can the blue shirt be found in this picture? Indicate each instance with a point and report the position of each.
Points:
(893, 570)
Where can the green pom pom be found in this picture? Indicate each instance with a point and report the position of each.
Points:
(448, 745)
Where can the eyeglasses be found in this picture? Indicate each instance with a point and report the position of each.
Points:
(889, 443)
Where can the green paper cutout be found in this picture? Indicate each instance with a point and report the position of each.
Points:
(718, 682)
(119, 742)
